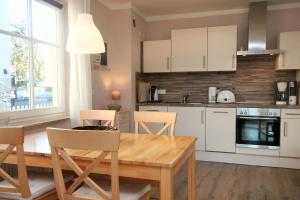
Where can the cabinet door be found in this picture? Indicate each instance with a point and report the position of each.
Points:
(190, 122)
(157, 56)
(289, 44)
(220, 129)
(154, 127)
(289, 138)
(222, 42)
(189, 50)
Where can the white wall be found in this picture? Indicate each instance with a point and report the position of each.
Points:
(123, 44)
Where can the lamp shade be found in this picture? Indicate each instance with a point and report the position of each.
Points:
(116, 95)
(85, 38)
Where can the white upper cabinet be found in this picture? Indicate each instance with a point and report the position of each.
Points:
(289, 44)
(222, 46)
(190, 122)
(189, 50)
(193, 50)
(157, 56)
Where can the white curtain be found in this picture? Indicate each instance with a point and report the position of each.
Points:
(80, 70)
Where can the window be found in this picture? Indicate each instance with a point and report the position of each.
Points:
(30, 56)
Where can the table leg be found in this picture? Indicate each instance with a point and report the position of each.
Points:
(166, 184)
(192, 176)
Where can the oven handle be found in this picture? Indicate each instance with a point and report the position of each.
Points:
(263, 118)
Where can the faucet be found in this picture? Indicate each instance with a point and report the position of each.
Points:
(186, 98)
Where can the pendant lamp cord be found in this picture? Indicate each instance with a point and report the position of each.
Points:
(84, 6)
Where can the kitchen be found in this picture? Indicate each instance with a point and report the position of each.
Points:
(214, 84)
(255, 120)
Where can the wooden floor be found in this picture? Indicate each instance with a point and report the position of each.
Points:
(221, 181)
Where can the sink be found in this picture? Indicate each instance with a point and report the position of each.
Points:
(190, 103)
(195, 103)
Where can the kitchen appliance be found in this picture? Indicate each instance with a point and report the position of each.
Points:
(226, 96)
(258, 128)
(257, 34)
(281, 90)
(293, 88)
(154, 94)
(212, 94)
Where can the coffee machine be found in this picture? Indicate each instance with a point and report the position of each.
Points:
(293, 88)
(281, 89)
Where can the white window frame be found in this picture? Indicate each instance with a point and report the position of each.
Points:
(42, 114)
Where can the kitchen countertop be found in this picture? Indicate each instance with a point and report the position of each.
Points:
(222, 105)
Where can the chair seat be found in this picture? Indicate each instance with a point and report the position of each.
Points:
(39, 183)
(128, 190)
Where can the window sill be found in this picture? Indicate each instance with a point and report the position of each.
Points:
(31, 122)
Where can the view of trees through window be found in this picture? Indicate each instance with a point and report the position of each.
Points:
(28, 55)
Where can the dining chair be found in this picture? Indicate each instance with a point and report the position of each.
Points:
(167, 118)
(98, 115)
(35, 185)
(105, 143)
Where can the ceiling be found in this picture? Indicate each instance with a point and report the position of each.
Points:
(170, 7)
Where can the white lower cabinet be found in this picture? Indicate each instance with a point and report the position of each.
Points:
(290, 133)
(190, 122)
(154, 127)
(220, 129)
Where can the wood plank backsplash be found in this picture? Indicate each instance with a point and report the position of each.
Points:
(253, 81)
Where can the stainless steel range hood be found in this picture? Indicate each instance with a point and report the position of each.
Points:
(257, 38)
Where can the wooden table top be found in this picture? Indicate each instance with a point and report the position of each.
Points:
(142, 149)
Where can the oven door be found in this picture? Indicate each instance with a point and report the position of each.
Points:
(258, 132)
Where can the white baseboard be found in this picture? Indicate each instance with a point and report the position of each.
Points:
(244, 159)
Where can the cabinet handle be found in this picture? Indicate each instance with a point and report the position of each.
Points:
(233, 61)
(202, 116)
(295, 114)
(220, 112)
(263, 118)
(168, 63)
(204, 62)
(153, 110)
(285, 129)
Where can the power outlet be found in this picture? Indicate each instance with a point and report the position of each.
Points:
(162, 91)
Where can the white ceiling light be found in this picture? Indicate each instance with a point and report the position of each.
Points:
(84, 37)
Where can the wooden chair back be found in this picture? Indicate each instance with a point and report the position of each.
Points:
(168, 118)
(14, 138)
(95, 115)
(104, 142)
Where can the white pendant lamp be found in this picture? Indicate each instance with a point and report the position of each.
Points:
(85, 38)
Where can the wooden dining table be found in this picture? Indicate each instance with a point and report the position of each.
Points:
(142, 156)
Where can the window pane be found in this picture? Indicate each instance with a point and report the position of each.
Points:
(14, 74)
(45, 73)
(44, 21)
(13, 16)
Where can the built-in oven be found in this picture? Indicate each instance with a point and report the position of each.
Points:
(258, 128)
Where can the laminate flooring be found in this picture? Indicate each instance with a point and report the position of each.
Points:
(220, 181)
